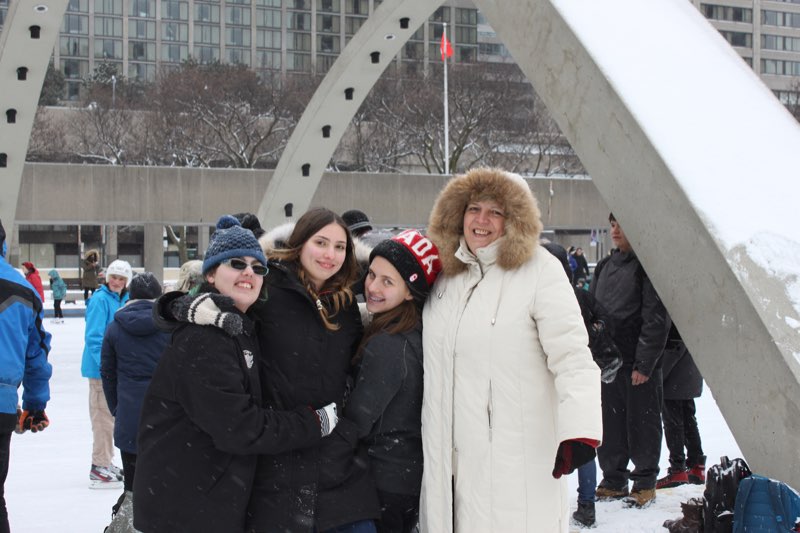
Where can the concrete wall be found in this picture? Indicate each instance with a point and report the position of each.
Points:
(89, 194)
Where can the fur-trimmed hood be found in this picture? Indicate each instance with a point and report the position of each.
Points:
(276, 238)
(523, 223)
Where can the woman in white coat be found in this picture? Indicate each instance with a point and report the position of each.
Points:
(511, 394)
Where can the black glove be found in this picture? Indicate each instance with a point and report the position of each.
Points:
(34, 420)
(570, 455)
(605, 352)
(204, 310)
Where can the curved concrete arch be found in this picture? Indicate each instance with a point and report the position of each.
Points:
(26, 44)
(335, 102)
(650, 115)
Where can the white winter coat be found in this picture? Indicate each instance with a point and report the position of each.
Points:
(508, 376)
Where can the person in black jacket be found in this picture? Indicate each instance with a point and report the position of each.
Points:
(682, 384)
(386, 403)
(203, 423)
(310, 329)
(132, 346)
(632, 402)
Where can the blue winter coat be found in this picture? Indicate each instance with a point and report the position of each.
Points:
(24, 344)
(57, 285)
(132, 347)
(99, 314)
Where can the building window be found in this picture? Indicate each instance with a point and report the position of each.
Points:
(237, 15)
(206, 34)
(298, 21)
(268, 39)
(268, 18)
(107, 49)
(732, 14)
(441, 15)
(298, 62)
(143, 8)
(141, 51)
(238, 56)
(466, 35)
(269, 3)
(206, 13)
(76, 24)
(174, 53)
(108, 7)
(108, 27)
(328, 23)
(413, 51)
(353, 24)
(74, 46)
(174, 10)
(324, 63)
(328, 44)
(779, 18)
(268, 60)
(780, 42)
(467, 16)
(141, 29)
(74, 68)
(207, 54)
(173, 31)
(357, 7)
(237, 37)
(738, 38)
(780, 68)
(78, 6)
(299, 41)
(142, 71)
(329, 6)
(299, 4)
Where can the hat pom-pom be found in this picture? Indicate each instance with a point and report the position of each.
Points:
(227, 221)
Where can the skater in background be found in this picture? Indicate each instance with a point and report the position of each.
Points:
(91, 269)
(59, 290)
(33, 277)
(131, 349)
(386, 403)
(100, 311)
(24, 345)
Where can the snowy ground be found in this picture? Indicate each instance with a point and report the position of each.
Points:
(47, 487)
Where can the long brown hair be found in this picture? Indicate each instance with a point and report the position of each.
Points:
(337, 287)
(399, 319)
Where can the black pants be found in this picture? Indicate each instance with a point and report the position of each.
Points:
(680, 430)
(399, 512)
(86, 293)
(5, 449)
(57, 309)
(631, 431)
(129, 468)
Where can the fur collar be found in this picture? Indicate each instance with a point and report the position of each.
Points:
(523, 220)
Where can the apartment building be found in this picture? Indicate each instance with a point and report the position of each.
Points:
(143, 36)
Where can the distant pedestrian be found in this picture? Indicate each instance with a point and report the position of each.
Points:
(682, 384)
(100, 311)
(33, 277)
(582, 266)
(357, 222)
(24, 345)
(59, 291)
(91, 269)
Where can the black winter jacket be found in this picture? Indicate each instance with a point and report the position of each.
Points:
(682, 378)
(131, 349)
(640, 321)
(386, 405)
(305, 364)
(202, 429)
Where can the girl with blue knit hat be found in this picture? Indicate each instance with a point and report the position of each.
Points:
(203, 425)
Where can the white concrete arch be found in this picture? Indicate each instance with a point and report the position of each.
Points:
(26, 44)
(650, 109)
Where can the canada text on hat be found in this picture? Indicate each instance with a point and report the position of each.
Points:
(424, 251)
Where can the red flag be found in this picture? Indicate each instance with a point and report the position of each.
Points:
(445, 47)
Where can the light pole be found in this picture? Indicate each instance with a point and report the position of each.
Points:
(113, 90)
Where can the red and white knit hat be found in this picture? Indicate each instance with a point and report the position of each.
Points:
(415, 257)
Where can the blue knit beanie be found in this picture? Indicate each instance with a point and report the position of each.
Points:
(231, 240)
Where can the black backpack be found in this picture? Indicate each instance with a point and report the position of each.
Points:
(722, 484)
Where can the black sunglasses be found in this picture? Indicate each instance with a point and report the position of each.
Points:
(241, 264)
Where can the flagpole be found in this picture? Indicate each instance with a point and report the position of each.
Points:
(446, 114)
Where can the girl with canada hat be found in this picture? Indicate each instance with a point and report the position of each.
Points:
(386, 403)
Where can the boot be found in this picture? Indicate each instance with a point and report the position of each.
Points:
(692, 519)
(608, 494)
(697, 472)
(674, 478)
(640, 498)
(585, 514)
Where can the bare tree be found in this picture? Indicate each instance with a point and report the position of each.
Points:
(48, 139)
(225, 115)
